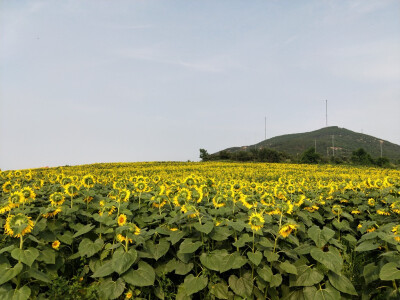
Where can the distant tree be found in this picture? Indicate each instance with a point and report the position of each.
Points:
(204, 155)
(310, 157)
(382, 162)
(224, 154)
(361, 157)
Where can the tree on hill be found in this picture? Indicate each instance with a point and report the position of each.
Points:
(310, 157)
(204, 155)
(361, 157)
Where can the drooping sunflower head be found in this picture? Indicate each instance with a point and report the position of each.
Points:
(119, 185)
(121, 220)
(256, 221)
(66, 180)
(337, 209)
(123, 195)
(28, 193)
(287, 229)
(141, 186)
(7, 187)
(219, 201)
(88, 181)
(16, 197)
(56, 199)
(18, 225)
(71, 189)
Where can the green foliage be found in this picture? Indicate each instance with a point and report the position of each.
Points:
(310, 157)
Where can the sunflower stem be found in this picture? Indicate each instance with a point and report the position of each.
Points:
(21, 242)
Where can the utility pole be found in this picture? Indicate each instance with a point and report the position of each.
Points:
(326, 113)
(315, 145)
(333, 145)
(265, 135)
(381, 142)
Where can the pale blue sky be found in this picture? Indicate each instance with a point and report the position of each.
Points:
(115, 81)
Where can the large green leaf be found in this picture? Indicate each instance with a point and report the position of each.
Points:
(9, 273)
(367, 246)
(121, 261)
(309, 277)
(265, 273)
(104, 270)
(222, 261)
(143, 276)
(331, 259)
(48, 256)
(109, 289)
(84, 230)
(220, 233)
(194, 284)
(242, 286)
(255, 257)
(390, 271)
(276, 280)
(370, 273)
(220, 290)
(157, 250)
(342, 283)
(187, 246)
(35, 273)
(22, 293)
(27, 256)
(89, 248)
(205, 228)
(320, 237)
(242, 240)
(182, 269)
(288, 267)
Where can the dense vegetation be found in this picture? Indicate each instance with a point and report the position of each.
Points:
(200, 231)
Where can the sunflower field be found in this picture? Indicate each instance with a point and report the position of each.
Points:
(200, 231)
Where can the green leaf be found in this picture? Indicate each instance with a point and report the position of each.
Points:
(84, 230)
(66, 238)
(255, 257)
(221, 260)
(109, 289)
(320, 237)
(220, 290)
(7, 249)
(242, 286)
(370, 273)
(175, 236)
(389, 271)
(35, 273)
(104, 270)
(242, 240)
(9, 273)
(276, 280)
(48, 256)
(143, 276)
(309, 277)
(288, 267)
(205, 228)
(265, 273)
(22, 293)
(157, 250)
(367, 246)
(266, 243)
(326, 294)
(342, 283)
(187, 246)
(271, 256)
(182, 268)
(194, 284)
(330, 259)
(89, 248)
(121, 261)
(27, 256)
(220, 233)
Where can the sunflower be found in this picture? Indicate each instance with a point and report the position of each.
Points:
(7, 187)
(56, 199)
(371, 202)
(287, 229)
(219, 201)
(16, 197)
(141, 187)
(123, 195)
(395, 206)
(129, 294)
(158, 201)
(371, 229)
(88, 181)
(71, 189)
(396, 229)
(28, 194)
(52, 213)
(56, 244)
(121, 239)
(337, 209)
(355, 212)
(256, 221)
(18, 225)
(383, 212)
(121, 220)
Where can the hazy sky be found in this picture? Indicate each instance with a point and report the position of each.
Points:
(113, 81)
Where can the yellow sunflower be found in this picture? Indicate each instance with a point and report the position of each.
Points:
(88, 181)
(121, 220)
(18, 225)
(256, 221)
(57, 199)
(56, 244)
(287, 229)
(7, 187)
(71, 189)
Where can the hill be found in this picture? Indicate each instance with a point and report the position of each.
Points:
(331, 139)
